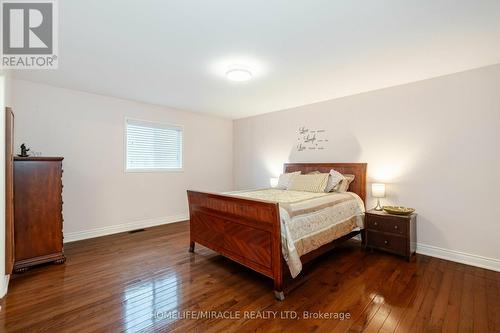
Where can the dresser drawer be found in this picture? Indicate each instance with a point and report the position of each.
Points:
(388, 242)
(386, 224)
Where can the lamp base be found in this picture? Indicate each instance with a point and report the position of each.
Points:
(378, 206)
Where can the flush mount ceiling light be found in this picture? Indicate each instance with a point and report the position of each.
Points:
(238, 74)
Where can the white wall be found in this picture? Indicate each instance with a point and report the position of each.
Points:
(5, 100)
(435, 142)
(88, 130)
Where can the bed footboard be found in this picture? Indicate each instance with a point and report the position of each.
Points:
(246, 231)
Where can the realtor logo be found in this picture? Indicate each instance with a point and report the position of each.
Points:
(29, 34)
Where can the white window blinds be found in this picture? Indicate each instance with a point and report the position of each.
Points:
(153, 146)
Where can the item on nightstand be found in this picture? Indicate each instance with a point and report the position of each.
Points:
(378, 191)
(399, 210)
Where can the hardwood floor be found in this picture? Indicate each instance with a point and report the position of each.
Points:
(135, 281)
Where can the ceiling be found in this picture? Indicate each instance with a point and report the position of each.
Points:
(175, 53)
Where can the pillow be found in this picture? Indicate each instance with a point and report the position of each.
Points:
(285, 179)
(343, 186)
(309, 183)
(334, 179)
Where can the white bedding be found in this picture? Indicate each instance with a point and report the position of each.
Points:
(310, 220)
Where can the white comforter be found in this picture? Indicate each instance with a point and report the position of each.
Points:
(310, 220)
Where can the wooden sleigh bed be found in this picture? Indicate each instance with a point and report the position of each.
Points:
(248, 230)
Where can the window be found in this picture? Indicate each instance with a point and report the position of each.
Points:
(152, 146)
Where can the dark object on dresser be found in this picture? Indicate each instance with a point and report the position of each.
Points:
(391, 233)
(38, 236)
(24, 151)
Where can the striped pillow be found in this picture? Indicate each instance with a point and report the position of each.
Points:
(309, 183)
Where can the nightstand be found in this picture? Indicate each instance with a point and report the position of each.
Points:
(391, 233)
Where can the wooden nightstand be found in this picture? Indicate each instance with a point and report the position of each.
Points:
(391, 233)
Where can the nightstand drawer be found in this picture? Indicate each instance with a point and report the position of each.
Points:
(386, 224)
(391, 243)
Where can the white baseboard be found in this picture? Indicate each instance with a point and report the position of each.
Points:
(457, 256)
(114, 229)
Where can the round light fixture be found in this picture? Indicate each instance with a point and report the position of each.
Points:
(238, 74)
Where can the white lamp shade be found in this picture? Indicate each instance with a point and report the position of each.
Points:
(273, 182)
(378, 190)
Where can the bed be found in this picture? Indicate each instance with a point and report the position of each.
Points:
(249, 226)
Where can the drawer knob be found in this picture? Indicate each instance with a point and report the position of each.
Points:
(386, 242)
(396, 227)
(375, 223)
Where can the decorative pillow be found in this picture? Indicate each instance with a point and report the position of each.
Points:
(334, 179)
(309, 183)
(285, 179)
(343, 186)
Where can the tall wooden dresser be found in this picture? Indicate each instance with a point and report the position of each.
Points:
(38, 236)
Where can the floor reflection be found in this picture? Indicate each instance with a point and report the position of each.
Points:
(143, 302)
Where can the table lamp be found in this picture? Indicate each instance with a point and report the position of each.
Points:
(273, 182)
(378, 191)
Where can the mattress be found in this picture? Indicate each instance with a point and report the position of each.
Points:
(310, 220)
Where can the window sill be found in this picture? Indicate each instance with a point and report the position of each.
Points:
(153, 170)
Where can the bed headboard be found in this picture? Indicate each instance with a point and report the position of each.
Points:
(358, 186)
